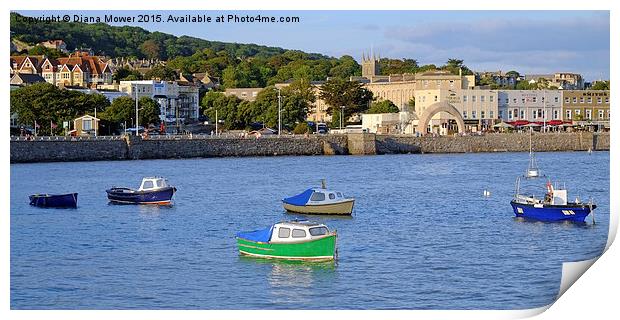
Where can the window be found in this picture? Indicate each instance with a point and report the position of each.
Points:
(332, 196)
(147, 184)
(514, 100)
(568, 115)
(87, 124)
(534, 99)
(556, 99)
(522, 114)
(607, 100)
(491, 114)
(507, 100)
(481, 114)
(590, 100)
(482, 99)
(318, 196)
(491, 98)
(473, 114)
(523, 100)
(589, 114)
(577, 112)
(284, 232)
(581, 100)
(599, 100)
(451, 83)
(464, 114)
(509, 114)
(435, 100)
(555, 114)
(299, 233)
(601, 114)
(464, 98)
(318, 231)
(567, 100)
(339, 194)
(473, 98)
(534, 114)
(574, 99)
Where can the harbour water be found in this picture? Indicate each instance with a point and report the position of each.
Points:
(422, 235)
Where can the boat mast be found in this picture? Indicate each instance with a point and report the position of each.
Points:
(532, 169)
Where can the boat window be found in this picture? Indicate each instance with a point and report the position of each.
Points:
(318, 231)
(284, 232)
(332, 196)
(299, 233)
(339, 194)
(318, 196)
(147, 184)
(160, 183)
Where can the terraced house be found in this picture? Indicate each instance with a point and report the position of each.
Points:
(586, 106)
(79, 69)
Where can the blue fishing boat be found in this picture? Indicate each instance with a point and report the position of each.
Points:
(45, 200)
(153, 190)
(554, 206)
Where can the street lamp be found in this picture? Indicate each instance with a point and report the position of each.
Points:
(279, 111)
(341, 116)
(136, 109)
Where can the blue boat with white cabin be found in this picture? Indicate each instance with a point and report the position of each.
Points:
(153, 190)
(553, 206)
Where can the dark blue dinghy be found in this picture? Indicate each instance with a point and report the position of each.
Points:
(68, 200)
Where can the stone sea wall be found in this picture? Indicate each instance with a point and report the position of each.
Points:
(131, 147)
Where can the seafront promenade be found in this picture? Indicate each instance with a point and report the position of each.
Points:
(51, 149)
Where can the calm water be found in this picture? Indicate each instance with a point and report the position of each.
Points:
(421, 237)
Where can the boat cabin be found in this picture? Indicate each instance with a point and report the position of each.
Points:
(153, 183)
(297, 231)
(322, 196)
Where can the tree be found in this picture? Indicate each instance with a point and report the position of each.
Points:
(383, 106)
(601, 85)
(150, 48)
(339, 92)
(44, 103)
(411, 104)
(122, 109)
(301, 128)
(149, 111)
(455, 66)
(226, 107)
(161, 73)
(50, 53)
(513, 73)
(525, 85)
(126, 74)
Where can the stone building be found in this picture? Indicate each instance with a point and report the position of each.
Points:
(247, 94)
(586, 106)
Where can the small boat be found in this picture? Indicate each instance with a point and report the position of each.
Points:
(153, 190)
(45, 200)
(319, 201)
(554, 206)
(290, 240)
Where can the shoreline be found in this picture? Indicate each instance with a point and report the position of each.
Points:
(61, 149)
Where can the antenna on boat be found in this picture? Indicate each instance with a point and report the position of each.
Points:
(532, 169)
(323, 184)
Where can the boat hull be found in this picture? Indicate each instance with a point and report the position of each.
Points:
(340, 208)
(68, 200)
(129, 196)
(314, 250)
(569, 212)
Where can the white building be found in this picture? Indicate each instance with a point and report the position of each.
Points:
(176, 101)
(387, 123)
(530, 105)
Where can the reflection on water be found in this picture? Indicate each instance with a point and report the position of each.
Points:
(291, 281)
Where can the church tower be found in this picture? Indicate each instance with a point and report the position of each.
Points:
(370, 66)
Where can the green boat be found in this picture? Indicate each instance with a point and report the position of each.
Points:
(290, 240)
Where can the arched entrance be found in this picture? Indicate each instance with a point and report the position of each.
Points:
(435, 108)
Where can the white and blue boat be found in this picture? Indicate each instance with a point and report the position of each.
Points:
(153, 190)
(554, 206)
(319, 201)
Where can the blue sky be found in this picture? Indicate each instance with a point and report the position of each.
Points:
(526, 41)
